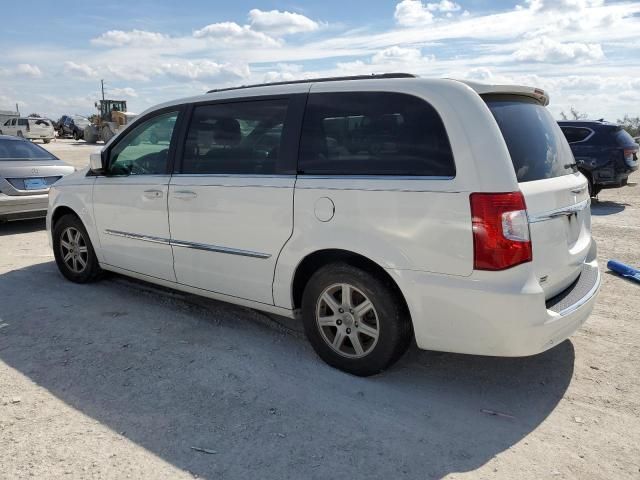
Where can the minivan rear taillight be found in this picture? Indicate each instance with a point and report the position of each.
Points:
(500, 230)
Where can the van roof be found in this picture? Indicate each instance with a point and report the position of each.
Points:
(480, 88)
(302, 86)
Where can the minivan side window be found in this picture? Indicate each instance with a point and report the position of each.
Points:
(373, 133)
(235, 138)
(23, 121)
(144, 150)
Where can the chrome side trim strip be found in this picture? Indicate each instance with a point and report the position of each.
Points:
(194, 245)
(215, 248)
(135, 236)
(583, 300)
(560, 212)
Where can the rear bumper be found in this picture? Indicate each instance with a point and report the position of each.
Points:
(615, 180)
(506, 315)
(23, 206)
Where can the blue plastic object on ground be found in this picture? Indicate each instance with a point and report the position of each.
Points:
(624, 270)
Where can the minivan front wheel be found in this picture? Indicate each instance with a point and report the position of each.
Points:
(354, 320)
(73, 251)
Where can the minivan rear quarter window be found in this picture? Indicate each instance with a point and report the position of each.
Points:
(373, 133)
(537, 146)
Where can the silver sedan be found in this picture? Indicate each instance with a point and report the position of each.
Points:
(26, 173)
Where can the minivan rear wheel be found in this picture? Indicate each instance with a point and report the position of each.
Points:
(354, 320)
(73, 251)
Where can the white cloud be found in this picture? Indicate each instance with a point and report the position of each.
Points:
(443, 6)
(232, 32)
(552, 51)
(28, 70)
(21, 70)
(275, 22)
(131, 73)
(79, 69)
(135, 38)
(563, 5)
(411, 13)
(481, 74)
(285, 72)
(123, 92)
(205, 70)
(388, 60)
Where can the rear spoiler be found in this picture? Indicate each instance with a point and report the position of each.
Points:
(484, 89)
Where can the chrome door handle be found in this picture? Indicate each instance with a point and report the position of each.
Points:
(184, 194)
(153, 194)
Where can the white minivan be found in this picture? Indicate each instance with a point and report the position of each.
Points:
(30, 128)
(376, 209)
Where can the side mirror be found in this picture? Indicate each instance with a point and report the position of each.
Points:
(96, 165)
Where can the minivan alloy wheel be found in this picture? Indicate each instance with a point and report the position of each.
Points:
(347, 320)
(73, 247)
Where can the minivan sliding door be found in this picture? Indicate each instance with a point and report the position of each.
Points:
(231, 200)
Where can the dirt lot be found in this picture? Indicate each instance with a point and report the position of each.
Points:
(122, 380)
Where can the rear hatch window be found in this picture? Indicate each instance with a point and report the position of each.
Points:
(623, 138)
(537, 146)
(22, 150)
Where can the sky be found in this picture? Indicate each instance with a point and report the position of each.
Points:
(584, 53)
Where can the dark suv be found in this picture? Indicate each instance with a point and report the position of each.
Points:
(72, 126)
(604, 152)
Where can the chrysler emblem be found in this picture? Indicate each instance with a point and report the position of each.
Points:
(34, 171)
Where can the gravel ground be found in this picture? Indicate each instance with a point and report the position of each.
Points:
(121, 379)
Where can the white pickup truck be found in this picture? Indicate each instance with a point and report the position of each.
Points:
(29, 128)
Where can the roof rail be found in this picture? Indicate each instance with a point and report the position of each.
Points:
(322, 79)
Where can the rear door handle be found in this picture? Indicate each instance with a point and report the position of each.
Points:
(153, 194)
(184, 194)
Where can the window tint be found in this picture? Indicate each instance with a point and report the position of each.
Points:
(21, 150)
(536, 144)
(235, 138)
(373, 133)
(6, 124)
(574, 134)
(23, 122)
(42, 122)
(145, 150)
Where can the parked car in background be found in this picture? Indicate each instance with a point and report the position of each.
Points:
(27, 171)
(443, 210)
(604, 152)
(72, 126)
(29, 128)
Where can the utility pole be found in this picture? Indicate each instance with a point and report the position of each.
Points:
(17, 110)
(102, 87)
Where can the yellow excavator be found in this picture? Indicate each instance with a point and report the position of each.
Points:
(111, 120)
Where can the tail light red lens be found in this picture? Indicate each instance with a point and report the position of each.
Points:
(500, 230)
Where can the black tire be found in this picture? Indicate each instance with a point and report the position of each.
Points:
(19, 134)
(46, 140)
(392, 320)
(76, 137)
(91, 271)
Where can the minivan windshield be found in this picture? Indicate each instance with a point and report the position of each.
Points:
(537, 146)
(22, 150)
